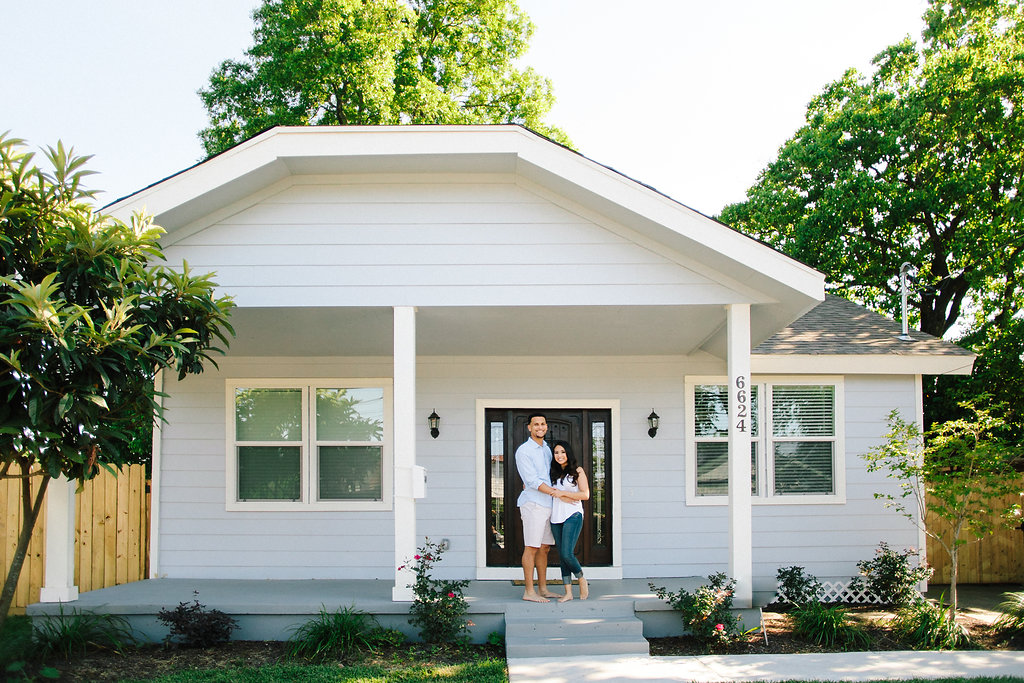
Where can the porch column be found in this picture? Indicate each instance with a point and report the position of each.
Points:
(404, 448)
(59, 567)
(741, 566)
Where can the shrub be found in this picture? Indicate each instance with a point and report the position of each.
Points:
(337, 634)
(439, 607)
(795, 587)
(890, 577)
(925, 626)
(705, 612)
(828, 626)
(379, 637)
(195, 626)
(66, 635)
(1010, 623)
(15, 645)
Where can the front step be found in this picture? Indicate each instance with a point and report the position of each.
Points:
(577, 628)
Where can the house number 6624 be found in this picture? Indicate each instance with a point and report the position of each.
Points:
(742, 404)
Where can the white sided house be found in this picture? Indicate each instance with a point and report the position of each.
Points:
(481, 273)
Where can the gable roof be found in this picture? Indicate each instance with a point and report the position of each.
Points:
(840, 328)
(779, 288)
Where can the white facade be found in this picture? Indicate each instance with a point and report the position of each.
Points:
(470, 268)
(662, 533)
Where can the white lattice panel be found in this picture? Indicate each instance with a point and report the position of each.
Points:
(838, 591)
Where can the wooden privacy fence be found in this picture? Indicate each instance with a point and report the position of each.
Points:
(111, 535)
(997, 558)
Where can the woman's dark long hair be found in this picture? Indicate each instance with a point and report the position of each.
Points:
(570, 464)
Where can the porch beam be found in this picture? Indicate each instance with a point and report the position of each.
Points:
(59, 566)
(741, 565)
(404, 448)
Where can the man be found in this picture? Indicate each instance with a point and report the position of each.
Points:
(533, 461)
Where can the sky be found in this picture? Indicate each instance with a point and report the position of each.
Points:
(691, 97)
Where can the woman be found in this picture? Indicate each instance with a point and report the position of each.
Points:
(571, 489)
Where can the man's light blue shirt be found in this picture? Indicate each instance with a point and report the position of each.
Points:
(533, 461)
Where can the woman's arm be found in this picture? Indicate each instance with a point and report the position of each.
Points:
(582, 484)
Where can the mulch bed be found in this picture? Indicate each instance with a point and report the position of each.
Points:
(781, 639)
(151, 661)
(155, 660)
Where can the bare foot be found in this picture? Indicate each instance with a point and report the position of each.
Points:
(584, 589)
(567, 597)
(548, 594)
(533, 597)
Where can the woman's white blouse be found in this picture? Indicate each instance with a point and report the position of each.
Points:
(561, 511)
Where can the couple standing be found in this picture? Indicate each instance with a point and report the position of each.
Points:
(551, 505)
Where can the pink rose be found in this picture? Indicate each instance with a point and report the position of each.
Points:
(451, 595)
(719, 627)
(415, 557)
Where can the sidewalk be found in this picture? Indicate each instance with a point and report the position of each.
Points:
(845, 666)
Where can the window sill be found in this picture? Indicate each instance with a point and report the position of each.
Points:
(295, 506)
(773, 500)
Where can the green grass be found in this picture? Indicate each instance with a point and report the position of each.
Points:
(482, 671)
(979, 679)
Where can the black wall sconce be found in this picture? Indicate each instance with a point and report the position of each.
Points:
(652, 422)
(434, 420)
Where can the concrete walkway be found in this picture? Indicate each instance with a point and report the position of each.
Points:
(845, 666)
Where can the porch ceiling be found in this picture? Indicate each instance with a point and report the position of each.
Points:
(499, 331)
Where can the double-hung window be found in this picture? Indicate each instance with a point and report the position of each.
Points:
(308, 444)
(796, 441)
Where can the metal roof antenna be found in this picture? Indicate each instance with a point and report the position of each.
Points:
(905, 336)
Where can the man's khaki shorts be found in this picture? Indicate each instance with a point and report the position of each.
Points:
(536, 525)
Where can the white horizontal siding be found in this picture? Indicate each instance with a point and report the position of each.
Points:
(458, 243)
(661, 534)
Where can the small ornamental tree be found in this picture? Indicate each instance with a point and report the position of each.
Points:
(86, 322)
(955, 472)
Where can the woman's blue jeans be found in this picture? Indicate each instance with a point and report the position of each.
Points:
(566, 535)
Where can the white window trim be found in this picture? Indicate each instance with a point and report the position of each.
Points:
(764, 461)
(308, 447)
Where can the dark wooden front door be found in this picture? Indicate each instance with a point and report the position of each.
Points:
(589, 433)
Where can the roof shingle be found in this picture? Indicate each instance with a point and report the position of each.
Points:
(840, 327)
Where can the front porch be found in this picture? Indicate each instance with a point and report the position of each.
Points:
(270, 609)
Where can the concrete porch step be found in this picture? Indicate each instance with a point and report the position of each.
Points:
(526, 648)
(577, 628)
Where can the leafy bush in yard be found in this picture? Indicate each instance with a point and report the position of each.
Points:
(926, 626)
(1011, 622)
(384, 637)
(706, 611)
(336, 634)
(890, 576)
(66, 635)
(796, 587)
(195, 626)
(828, 626)
(439, 607)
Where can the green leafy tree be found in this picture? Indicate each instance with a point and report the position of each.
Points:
(368, 62)
(955, 472)
(919, 162)
(85, 323)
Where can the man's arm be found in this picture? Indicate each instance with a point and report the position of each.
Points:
(531, 475)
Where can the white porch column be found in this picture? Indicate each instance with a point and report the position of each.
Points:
(741, 566)
(59, 568)
(404, 448)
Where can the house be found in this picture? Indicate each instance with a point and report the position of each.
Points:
(479, 273)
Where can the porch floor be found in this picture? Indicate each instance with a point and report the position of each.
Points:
(270, 609)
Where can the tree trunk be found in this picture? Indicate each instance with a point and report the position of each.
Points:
(30, 513)
(954, 573)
